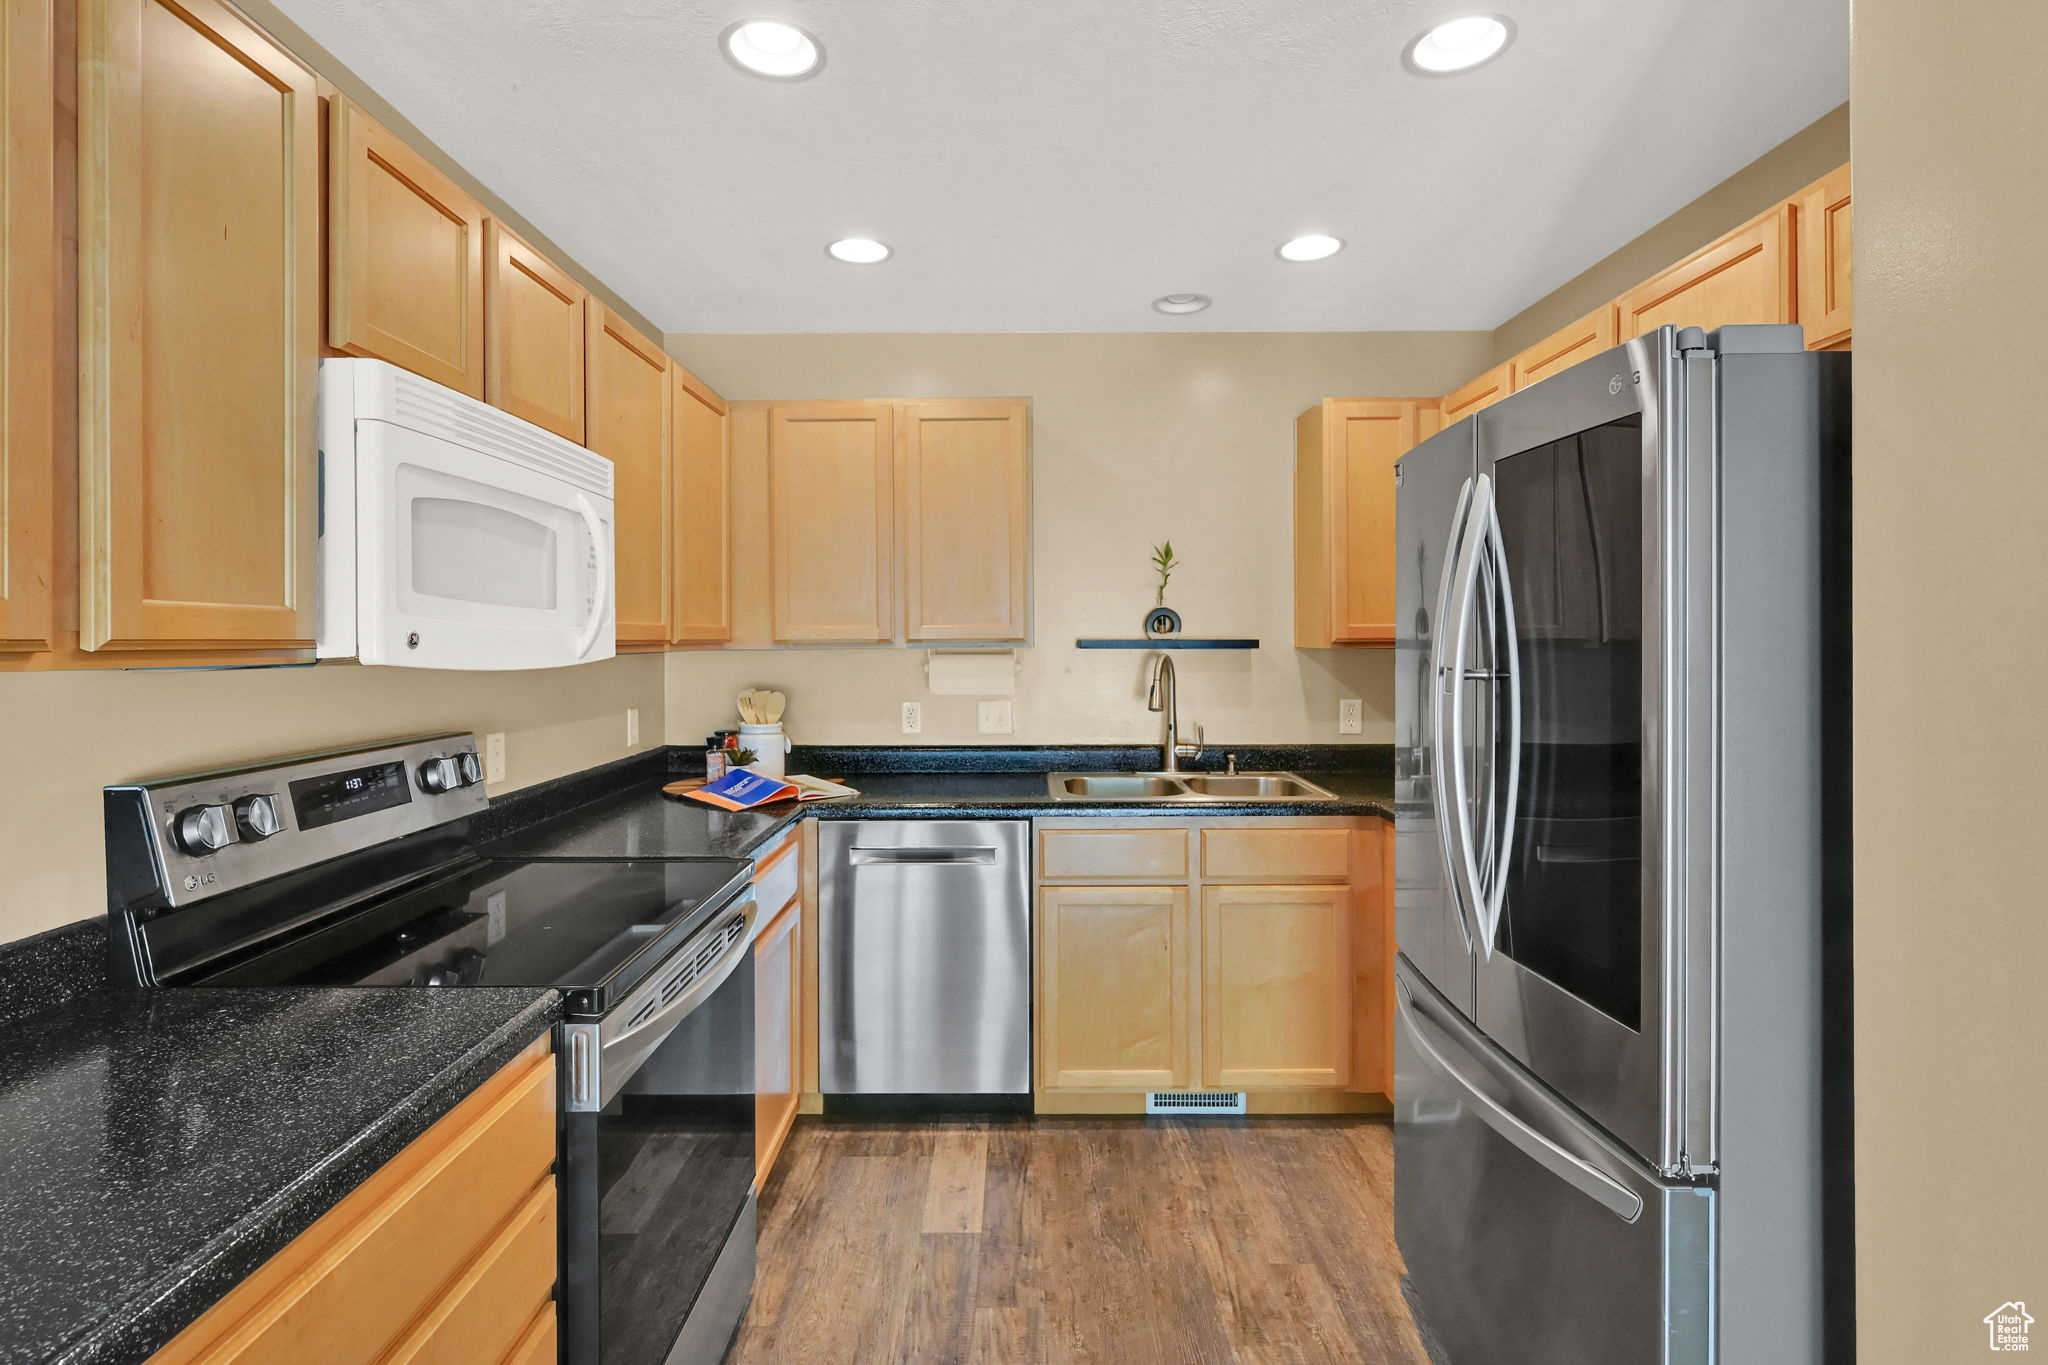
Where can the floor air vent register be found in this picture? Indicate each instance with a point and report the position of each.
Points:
(1194, 1102)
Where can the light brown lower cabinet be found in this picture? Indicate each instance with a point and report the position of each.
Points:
(446, 1254)
(1258, 959)
(778, 1058)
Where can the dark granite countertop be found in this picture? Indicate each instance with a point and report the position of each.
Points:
(160, 1145)
(636, 821)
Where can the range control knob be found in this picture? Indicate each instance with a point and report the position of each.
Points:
(439, 775)
(471, 770)
(203, 829)
(257, 817)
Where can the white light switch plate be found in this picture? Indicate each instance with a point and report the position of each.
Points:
(913, 717)
(994, 718)
(632, 726)
(1350, 717)
(494, 757)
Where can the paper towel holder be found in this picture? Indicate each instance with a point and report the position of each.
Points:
(972, 672)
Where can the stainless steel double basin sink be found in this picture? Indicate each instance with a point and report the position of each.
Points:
(1192, 788)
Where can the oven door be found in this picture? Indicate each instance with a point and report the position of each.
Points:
(658, 1160)
(1582, 974)
(466, 560)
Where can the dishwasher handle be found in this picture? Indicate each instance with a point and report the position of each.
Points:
(985, 856)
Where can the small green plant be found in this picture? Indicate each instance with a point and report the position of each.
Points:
(743, 757)
(1163, 563)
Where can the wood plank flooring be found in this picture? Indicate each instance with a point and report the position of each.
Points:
(1076, 1241)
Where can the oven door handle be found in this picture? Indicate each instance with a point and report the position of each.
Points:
(600, 1061)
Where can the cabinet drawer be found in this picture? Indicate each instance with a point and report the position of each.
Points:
(777, 874)
(1114, 854)
(1276, 855)
(482, 1315)
(405, 1239)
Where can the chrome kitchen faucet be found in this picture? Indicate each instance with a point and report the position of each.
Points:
(1165, 696)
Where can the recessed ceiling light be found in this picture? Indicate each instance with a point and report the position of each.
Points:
(1459, 44)
(1178, 304)
(768, 47)
(1314, 247)
(858, 251)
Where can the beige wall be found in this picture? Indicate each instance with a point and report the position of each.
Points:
(1138, 437)
(1776, 175)
(1951, 128)
(63, 736)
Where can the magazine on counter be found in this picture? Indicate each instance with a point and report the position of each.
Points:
(744, 789)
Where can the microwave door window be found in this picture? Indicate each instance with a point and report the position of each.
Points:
(1571, 523)
(477, 555)
(480, 554)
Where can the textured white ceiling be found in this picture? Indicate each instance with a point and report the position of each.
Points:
(1054, 165)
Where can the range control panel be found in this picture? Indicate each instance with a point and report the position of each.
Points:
(207, 833)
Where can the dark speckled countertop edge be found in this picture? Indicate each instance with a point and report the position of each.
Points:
(134, 1331)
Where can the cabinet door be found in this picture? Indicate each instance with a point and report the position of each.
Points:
(626, 406)
(1482, 392)
(1372, 958)
(199, 285)
(405, 275)
(27, 341)
(776, 959)
(1746, 277)
(1362, 437)
(1823, 211)
(533, 336)
(966, 492)
(1566, 347)
(831, 521)
(700, 456)
(1276, 967)
(1113, 988)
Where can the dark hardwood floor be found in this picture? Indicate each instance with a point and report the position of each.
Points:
(1074, 1241)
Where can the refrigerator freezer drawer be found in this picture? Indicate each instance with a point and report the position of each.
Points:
(1530, 1237)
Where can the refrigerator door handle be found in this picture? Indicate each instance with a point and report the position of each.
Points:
(1429, 1038)
(1450, 816)
(1507, 670)
(1450, 684)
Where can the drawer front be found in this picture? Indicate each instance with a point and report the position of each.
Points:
(777, 875)
(483, 1315)
(347, 1287)
(1276, 855)
(1157, 853)
(537, 1345)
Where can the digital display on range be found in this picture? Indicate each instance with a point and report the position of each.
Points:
(343, 796)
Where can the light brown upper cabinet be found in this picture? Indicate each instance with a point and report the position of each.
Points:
(533, 335)
(1482, 392)
(405, 274)
(1823, 212)
(966, 494)
(700, 463)
(1746, 277)
(831, 517)
(626, 405)
(1344, 456)
(27, 341)
(199, 318)
(1566, 347)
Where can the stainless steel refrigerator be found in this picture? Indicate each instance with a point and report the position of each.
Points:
(1620, 703)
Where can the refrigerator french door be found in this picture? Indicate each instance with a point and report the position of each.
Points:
(1611, 686)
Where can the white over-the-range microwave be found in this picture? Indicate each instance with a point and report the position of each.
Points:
(453, 535)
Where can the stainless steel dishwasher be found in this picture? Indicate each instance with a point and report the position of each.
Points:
(924, 957)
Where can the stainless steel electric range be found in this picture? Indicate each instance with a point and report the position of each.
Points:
(354, 868)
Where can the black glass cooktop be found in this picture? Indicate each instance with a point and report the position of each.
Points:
(592, 930)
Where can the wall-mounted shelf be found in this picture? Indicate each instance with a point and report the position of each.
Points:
(1167, 642)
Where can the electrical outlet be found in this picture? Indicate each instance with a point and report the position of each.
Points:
(632, 726)
(494, 757)
(994, 718)
(913, 717)
(1350, 716)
